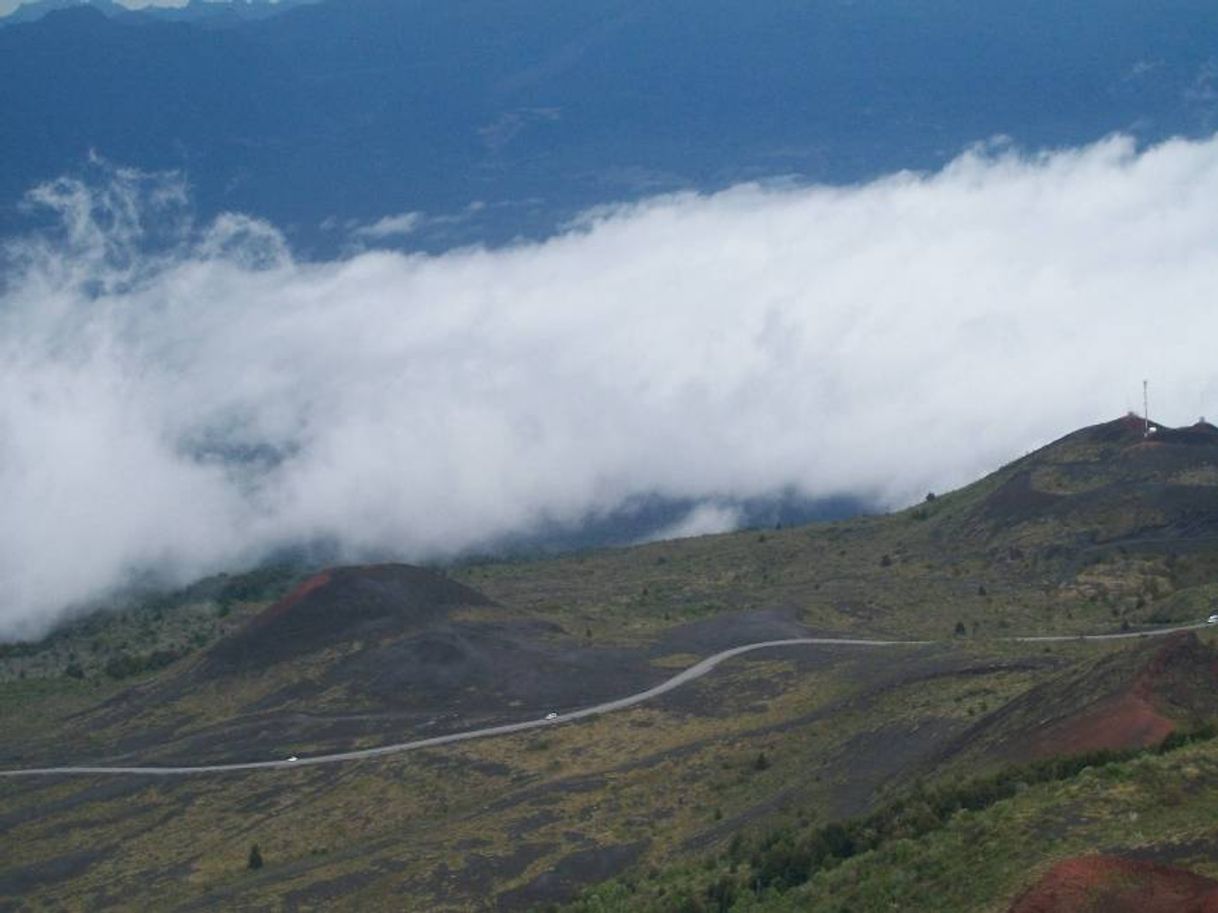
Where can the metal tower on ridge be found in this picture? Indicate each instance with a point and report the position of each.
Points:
(1145, 408)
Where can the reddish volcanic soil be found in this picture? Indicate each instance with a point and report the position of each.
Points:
(1178, 681)
(1118, 722)
(1108, 884)
(284, 605)
(346, 604)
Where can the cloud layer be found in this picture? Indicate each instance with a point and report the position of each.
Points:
(189, 398)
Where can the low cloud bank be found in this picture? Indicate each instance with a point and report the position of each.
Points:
(703, 520)
(189, 398)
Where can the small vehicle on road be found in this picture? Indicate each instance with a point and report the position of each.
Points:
(551, 716)
(1213, 619)
(293, 758)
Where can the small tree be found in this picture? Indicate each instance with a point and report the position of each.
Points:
(255, 861)
(762, 762)
(960, 629)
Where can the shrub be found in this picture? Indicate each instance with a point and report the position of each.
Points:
(721, 894)
(127, 664)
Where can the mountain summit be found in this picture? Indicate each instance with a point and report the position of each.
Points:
(1108, 485)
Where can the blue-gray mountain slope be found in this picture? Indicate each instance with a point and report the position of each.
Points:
(354, 109)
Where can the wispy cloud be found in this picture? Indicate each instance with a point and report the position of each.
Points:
(195, 402)
(390, 226)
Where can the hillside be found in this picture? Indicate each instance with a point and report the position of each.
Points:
(1128, 834)
(1102, 531)
(349, 655)
(1131, 699)
(1097, 531)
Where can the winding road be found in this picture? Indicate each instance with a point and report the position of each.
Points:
(695, 671)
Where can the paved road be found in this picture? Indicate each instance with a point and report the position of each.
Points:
(1124, 635)
(688, 675)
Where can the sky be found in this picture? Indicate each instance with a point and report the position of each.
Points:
(188, 397)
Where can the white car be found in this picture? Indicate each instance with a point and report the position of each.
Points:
(551, 716)
(1212, 620)
(293, 758)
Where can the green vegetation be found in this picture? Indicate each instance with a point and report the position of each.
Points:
(144, 632)
(125, 665)
(899, 845)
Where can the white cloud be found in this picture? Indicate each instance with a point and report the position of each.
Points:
(390, 226)
(702, 520)
(199, 405)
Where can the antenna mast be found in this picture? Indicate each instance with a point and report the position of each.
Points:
(1145, 408)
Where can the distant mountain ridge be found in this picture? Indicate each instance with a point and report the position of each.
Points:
(204, 12)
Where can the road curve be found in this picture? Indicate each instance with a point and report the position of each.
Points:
(695, 671)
